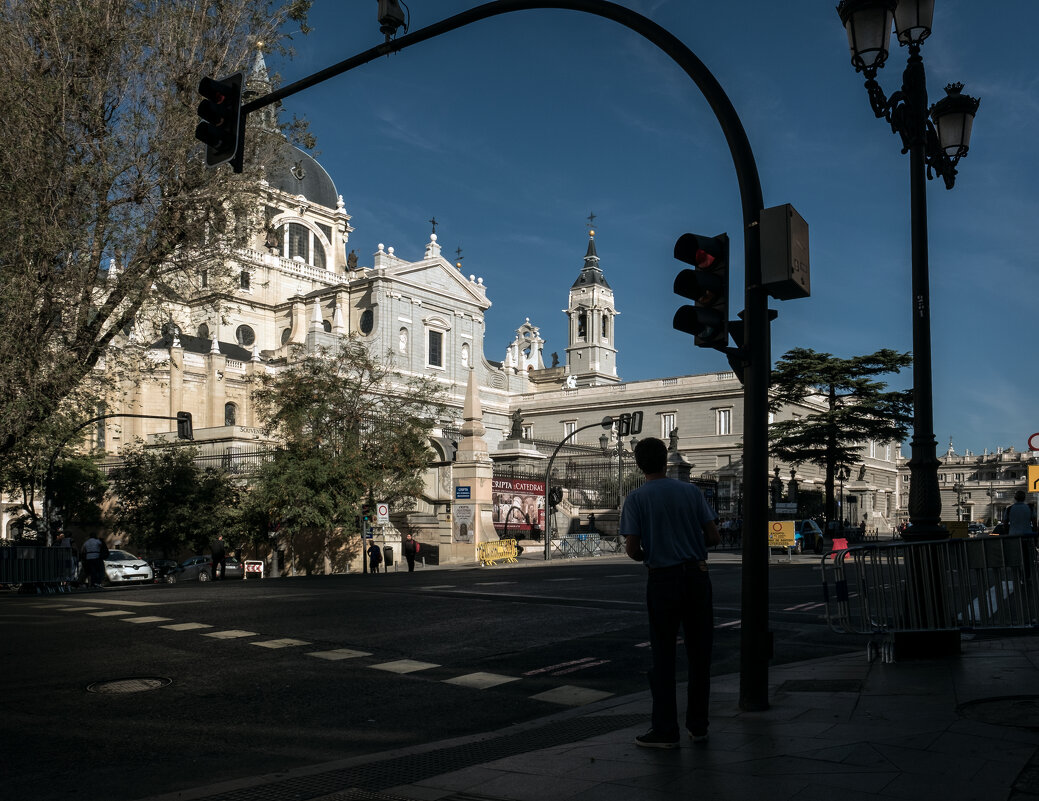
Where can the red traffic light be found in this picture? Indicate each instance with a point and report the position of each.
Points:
(220, 127)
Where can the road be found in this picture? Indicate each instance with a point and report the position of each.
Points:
(257, 676)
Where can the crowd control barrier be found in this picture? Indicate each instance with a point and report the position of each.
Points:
(497, 551)
(967, 585)
(45, 570)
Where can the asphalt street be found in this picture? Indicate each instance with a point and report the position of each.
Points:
(130, 692)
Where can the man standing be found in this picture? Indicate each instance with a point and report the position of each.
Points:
(94, 552)
(374, 558)
(411, 548)
(1019, 517)
(668, 525)
(219, 557)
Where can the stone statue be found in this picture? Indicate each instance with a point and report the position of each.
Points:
(571, 382)
(862, 473)
(517, 425)
(351, 260)
(672, 444)
(555, 359)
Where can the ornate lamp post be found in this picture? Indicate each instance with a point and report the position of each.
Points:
(936, 139)
(843, 474)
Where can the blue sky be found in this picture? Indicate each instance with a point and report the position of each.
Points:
(513, 130)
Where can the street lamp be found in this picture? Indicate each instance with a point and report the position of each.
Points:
(843, 474)
(958, 488)
(935, 145)
(604, 443)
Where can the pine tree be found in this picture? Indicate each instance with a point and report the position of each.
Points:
(857, 408)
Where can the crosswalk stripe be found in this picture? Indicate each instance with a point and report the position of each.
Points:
(569, 695)
(285, 642)
(230, 634)
(110, 613)
(405, 666)
(481, 681)
(146, 619)
(337, 654)
(186, 626)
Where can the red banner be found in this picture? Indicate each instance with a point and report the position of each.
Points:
(519, 506)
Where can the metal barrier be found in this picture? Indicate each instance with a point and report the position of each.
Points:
(45, 569)
(986, 584)
(585, 544)
(497, 551)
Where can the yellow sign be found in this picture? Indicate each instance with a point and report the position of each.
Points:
(1033, 478)
(957, 529)
(781, 534)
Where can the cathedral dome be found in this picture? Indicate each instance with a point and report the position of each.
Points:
(298, 173)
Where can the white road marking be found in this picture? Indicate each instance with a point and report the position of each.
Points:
(481, 681)
(110, 613)
(187, 626)
(285, 642)
(338, 653)
(561, 665)
(580, 667)
(146, 619)
(568, 695)
(230, 634)
(405, 666)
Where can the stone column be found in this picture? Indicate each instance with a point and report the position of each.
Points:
(472, 475)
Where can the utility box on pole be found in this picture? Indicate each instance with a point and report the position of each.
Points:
(785, 271)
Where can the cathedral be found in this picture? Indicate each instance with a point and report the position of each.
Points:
(299, 282)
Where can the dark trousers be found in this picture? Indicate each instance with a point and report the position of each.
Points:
(680, 596)
(219, 564)
(411, 561)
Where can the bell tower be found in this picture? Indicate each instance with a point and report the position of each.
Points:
(591, 352)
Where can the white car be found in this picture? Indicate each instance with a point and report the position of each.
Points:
(121, 566)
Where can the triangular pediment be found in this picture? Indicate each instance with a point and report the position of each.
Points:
(440, 277)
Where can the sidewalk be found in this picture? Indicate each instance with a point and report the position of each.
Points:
(838, 728)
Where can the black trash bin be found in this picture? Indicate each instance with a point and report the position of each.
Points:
(387, 555)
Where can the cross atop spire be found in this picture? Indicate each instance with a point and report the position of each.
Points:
(433, 222)
(591, 223)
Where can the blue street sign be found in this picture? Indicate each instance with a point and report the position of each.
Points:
(462, 493)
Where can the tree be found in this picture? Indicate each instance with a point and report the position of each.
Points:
(107, 211)
(165, 502)
(856, 408)
(354, 430)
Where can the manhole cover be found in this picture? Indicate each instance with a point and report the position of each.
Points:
(1020, 711)
(128, 685)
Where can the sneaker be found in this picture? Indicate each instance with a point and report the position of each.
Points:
(652, 739)
(698, 738)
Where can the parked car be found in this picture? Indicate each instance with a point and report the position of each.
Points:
(808, 537)
(233, 568)
(121, 566)
(194, 568)
(162, 568)
(976, 529)
(200, 568)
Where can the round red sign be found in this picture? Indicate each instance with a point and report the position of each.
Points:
(1033, 442)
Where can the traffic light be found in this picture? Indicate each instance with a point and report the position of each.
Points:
(184, 426)
(220, 112)
(623, 425)
(708, 285)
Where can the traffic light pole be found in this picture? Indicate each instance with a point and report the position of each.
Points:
(755, 353)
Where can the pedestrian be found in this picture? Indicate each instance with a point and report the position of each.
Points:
(411, 549)
(668, 526)
(374, 558)
(93, 554)
(219, 557)
(1019, 517)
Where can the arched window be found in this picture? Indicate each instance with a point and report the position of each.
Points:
(298, 241)
(285, 334)
(326, 326)
(367, 321)
(582, 325)
(245, 336)
(203, 331)
(606, 328)
(230, 414)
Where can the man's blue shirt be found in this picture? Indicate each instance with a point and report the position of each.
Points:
(668, 517)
